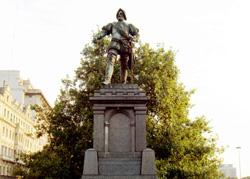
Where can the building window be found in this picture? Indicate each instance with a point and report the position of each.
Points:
(3, 130)
(6, 133)
(5, 151)
(8, 171)
(9, 152)
(2, 150)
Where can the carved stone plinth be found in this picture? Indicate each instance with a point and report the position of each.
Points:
(119, 135)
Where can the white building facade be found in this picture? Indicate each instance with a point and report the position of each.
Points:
(228, 170)
(17, 120)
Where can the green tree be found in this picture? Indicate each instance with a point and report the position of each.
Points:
(184, 147)
(182, 150)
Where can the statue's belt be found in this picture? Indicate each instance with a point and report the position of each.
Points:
(126, 43)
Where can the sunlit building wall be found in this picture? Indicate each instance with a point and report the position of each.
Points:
(17, 120)
(228, 170)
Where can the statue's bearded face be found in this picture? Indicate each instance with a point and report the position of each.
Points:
(120, 16)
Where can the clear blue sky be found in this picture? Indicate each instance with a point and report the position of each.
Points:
(43, 39)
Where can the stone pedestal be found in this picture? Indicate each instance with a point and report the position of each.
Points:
(92, 163)
(119, 135)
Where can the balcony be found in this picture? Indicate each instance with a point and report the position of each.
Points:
(7, 158)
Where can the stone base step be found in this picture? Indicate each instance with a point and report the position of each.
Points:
(119, 166)
(119, 177)
(119, 154)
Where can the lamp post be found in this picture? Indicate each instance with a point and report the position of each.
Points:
(238, 148)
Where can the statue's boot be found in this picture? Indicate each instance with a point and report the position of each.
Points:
(109, 69)
(124, 70)
(124, 75)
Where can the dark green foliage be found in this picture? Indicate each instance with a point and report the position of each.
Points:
(181, 148)
(184, 147)
(44, 164)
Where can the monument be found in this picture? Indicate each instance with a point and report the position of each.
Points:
(119, 139)
(123, 35)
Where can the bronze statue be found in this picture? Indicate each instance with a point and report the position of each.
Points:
(123, 35)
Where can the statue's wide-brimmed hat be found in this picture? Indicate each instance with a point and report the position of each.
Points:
(124, 13)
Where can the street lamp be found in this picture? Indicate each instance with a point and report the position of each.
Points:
(238, 148)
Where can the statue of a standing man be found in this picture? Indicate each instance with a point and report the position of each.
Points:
(121, 44)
